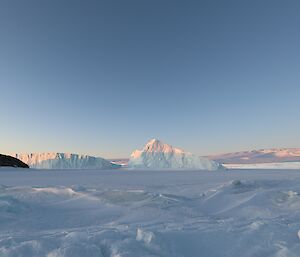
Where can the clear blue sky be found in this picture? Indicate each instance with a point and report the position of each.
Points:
(104, 77)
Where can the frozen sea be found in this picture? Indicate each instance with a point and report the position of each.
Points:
(138, 213)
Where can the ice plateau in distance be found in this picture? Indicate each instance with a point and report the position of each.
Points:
(158, 155)
(64, 161)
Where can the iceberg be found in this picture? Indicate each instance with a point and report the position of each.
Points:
(64, 161)
(158, 155)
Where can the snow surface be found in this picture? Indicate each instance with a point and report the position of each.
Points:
(158, 155)
(64, 161)
(275, 165)
(134, 213)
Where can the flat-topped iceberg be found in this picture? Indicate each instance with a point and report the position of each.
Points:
(64, 161)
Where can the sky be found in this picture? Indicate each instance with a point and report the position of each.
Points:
(104, 77)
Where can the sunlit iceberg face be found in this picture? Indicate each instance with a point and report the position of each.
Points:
(64, 161)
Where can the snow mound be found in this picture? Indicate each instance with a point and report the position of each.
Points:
(64, 161)
(158, 155)
(144, 236)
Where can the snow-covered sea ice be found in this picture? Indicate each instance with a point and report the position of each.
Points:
(128, 213)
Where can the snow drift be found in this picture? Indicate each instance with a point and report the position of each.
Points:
(158, 155)
(64, 161)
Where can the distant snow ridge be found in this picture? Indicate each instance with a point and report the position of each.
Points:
(64, 161)
(275, 155)
(157, 155)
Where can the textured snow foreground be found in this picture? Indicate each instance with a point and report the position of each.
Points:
(149, 213)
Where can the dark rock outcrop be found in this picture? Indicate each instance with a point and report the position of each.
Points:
(10, 161)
